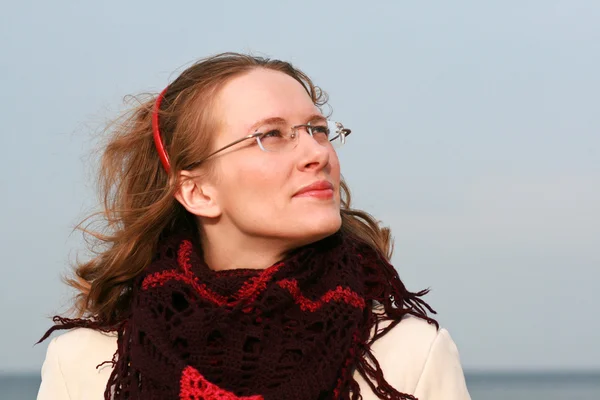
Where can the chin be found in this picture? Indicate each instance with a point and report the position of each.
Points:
(321, 227)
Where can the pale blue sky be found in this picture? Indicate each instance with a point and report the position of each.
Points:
(476, 137)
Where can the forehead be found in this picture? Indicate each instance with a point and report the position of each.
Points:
(260, 94)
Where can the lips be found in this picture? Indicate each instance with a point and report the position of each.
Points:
(320, 189)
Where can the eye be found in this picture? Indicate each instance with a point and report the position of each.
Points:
(274, 133)
(320, 130)
(274, 140)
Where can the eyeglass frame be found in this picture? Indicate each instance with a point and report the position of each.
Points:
(164, 157)
(341, 132)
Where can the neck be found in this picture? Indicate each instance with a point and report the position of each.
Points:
(231, 249)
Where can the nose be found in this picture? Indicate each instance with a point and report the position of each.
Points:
(312, 154)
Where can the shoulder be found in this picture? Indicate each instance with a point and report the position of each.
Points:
(81, 350)
(416, 330)
(84, 339)
(417, 358)
(71, 369)
(406, 348)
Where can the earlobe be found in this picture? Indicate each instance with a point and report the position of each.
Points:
(198, 198)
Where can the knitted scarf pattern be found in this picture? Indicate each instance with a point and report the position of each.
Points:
(297, 330)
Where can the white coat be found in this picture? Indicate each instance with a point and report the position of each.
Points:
(414, 356)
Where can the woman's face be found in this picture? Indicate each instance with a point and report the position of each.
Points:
(258, 192)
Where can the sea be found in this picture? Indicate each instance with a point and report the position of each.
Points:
(482, 386)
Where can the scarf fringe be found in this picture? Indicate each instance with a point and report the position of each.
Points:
(61, 323)
(121, 370)
(397, 302)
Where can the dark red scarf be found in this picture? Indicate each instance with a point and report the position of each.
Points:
(296, 330)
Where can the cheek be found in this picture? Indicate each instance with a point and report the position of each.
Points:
(257, 188)
(250, 181)
(334, 168)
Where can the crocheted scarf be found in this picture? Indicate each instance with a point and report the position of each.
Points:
(298, 329)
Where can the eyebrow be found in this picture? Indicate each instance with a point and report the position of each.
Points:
(279, 120)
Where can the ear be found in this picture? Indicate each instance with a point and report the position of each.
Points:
(197, 197)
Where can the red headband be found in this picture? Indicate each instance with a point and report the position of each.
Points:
(164, 157)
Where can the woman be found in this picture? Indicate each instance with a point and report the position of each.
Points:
(232, 266)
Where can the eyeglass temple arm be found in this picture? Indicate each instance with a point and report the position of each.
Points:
(252, 136)
(343, 131)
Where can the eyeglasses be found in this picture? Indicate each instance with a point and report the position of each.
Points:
(275, 139)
